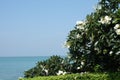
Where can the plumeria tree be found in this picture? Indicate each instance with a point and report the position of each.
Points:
(94, 43)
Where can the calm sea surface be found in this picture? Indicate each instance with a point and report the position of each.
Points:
(13, 67)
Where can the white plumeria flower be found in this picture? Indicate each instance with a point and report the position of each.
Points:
(80, 24)
(82, 63)
(101, 21)
(60, 72)
(108, 19)
(80, 27)
(117, 53)
(105, 20)
(118, 31)
(117, 26)
(110, 52)
(78, 36)
(78, 68)
(46, 71)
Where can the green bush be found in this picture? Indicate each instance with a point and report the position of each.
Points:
(94, 44)
(55, 65)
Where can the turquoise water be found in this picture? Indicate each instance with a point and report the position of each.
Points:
(13, 67)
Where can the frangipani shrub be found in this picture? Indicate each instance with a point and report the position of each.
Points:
(55, 65)
(94, 43)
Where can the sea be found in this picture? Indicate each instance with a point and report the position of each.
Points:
(11, 68)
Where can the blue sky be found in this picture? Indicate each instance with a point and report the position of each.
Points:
(39, 27)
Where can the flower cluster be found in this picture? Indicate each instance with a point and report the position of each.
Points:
(105, 20)
(61, 72)
(117, 29)
(80, 25)
(82, 64)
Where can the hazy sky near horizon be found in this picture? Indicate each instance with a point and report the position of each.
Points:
(39, 27)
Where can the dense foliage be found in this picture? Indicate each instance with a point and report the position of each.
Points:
(55, 65)
(82, 76)
(94, 44)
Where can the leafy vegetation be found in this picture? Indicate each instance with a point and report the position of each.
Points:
(55, 65)
(82, 76)
(94, 46)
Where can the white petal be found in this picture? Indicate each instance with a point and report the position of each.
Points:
(78, 67)
(78, 36)
(117, 26)
(118, 31)
(110, 52)
(108, 18)
(117, 53)
(82, 63)
(79, 22)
